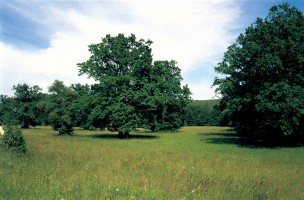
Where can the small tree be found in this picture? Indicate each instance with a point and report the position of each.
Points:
(58, 105)
(263, 87)
(9, 114)
(13, 139)
(26, 98)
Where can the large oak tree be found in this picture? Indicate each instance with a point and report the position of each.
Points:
(263, 84)
(133, 91)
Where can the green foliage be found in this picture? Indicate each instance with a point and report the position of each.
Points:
(13, 139)
(83, 105)
(8, 110)
(81, 89)
(43, 113)
(263, 86)
(162, 101)
(26, 99)
(21, 109)
(203, 113)
(132, 90)
(58, 105)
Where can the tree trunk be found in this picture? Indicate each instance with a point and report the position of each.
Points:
(122, 134)
(126, 135)
(25, 124)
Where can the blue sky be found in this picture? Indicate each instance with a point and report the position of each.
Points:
(41, 41)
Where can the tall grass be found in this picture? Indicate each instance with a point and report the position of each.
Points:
(194, 163)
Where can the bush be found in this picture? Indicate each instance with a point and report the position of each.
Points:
(13, 139)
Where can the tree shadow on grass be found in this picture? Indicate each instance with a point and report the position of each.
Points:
(233, 138)
(115, 136)
(227, 138)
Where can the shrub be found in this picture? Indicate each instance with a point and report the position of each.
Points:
(13, 139)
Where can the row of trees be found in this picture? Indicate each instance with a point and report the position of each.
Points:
(65, 107)
(131, 91)
(262, 87)
(30, 107)
(204, 113)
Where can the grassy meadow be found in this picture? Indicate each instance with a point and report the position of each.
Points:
(193, 163)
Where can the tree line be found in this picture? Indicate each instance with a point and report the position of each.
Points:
(204, 113)
(131, 91)
(64, 107)
(261, 87)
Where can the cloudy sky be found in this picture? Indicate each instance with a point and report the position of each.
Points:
(41, 40)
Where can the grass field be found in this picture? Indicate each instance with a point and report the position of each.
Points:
(194, 163)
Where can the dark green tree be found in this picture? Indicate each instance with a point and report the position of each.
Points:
(263, 84)
(58, 105)
(43, 114)
(164, 102)
(8, 110)
(203, 113)
(13, 139)
(26, 98)
(84, 104)
(133, 91)
(81, 89)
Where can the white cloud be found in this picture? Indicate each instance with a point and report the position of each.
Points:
(202, 90)
(190, 32)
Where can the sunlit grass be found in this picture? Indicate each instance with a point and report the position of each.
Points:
(194, 163)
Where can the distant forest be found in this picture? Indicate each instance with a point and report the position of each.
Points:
(203, 113)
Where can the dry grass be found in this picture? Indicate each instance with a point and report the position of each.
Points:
(194, 163)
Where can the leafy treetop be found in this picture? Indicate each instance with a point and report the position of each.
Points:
(133, 90)
(263, 84)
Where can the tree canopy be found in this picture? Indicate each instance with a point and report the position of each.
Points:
(203, 113)
(263, 84)
(58, 104)
(25, 104)
(132, 90)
